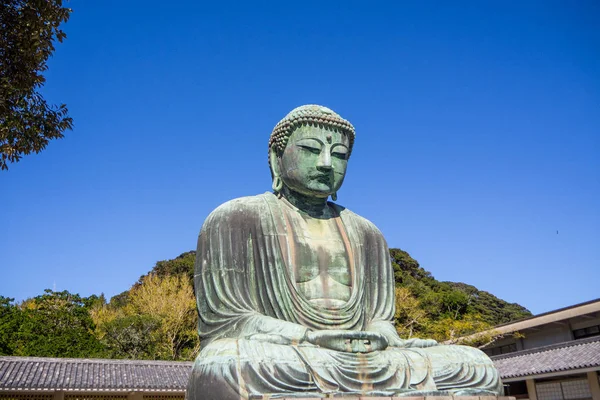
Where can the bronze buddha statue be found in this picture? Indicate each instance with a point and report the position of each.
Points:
(295, 294)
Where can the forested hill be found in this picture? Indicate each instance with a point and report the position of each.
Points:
(444, 310)
(156, 318)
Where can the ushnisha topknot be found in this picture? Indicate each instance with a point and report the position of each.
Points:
(310, 114)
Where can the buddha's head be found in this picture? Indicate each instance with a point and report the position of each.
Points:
(309, 151)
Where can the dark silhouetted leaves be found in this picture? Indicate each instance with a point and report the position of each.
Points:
(28, 29)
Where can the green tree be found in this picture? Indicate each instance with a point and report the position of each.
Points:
(491, 309)
(10, 321)
(407, 270)
(454, 303)
(58, 324)
(156, 319)
(170, 299)
(128, 336)
(410, 317)
(182, 264)
(451, 329)
(28, 30)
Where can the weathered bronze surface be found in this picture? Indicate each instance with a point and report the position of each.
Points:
(296, 294)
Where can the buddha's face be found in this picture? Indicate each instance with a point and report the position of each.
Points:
(314, 161)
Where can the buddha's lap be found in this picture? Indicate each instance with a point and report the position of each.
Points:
(438, 361)
(227, 367)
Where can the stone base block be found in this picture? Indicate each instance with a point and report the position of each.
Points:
(342, 397)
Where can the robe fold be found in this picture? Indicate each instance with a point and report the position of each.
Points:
(253, 320)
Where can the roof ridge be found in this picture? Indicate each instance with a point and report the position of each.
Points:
(96, 360)
(542, 349)
(585, 303)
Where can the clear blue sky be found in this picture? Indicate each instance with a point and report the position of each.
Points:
(477, 150)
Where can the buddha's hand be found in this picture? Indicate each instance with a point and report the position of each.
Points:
(348, 341)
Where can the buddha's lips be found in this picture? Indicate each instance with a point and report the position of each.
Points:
(324, 178)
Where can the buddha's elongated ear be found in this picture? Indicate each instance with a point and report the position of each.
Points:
(275, 170)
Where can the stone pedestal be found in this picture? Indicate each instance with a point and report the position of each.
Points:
(342, 397)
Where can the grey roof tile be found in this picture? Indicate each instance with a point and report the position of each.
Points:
(36, 373)
(577, 354)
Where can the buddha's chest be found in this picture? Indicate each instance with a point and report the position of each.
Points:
(321, 267)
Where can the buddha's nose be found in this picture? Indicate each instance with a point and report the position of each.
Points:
(324, 162)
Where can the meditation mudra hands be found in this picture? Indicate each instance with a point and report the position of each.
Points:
(348, 341)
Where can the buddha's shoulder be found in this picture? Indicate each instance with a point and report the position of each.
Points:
(361, 222)
(241, 207)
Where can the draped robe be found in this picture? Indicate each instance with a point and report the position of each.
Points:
(253, 320)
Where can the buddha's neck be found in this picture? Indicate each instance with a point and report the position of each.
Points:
(311, 205)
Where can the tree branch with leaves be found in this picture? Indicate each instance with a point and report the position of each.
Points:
(28, 31)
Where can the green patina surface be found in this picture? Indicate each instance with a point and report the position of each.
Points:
(296, 294)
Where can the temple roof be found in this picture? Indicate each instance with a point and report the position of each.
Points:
(568, 356)
(36, 373)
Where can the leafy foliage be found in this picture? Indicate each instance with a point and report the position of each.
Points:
(426, 307)
(10, 320)
(491, 308)
(57, 324)
(126, 335)
(28, 29)
(158, 320)
(410, 316)
(181, 265)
